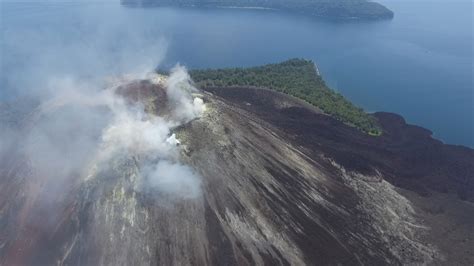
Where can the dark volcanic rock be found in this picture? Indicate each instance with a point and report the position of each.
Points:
(151, 95)
(282, 184)
(408, 156)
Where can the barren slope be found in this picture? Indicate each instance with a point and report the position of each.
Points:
(281, 184)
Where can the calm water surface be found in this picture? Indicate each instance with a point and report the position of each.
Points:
(419, 65)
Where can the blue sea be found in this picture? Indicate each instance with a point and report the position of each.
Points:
(419, 65)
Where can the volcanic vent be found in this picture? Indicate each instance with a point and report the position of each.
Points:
(222, 176)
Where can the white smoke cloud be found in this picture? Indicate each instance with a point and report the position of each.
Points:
(135, 133)
(173, 140)
(82, 127)
(179, 90)
(174, 179)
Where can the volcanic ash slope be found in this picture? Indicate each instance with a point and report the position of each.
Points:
(254, 193)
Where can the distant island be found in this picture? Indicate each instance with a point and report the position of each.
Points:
(336, 9)
(298, 78)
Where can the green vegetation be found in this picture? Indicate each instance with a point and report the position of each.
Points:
(296, 77)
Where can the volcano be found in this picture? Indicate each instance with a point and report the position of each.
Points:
(280, 183)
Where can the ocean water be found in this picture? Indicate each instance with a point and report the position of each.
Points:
(420, 64)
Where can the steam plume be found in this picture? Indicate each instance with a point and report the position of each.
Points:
(77, 123)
